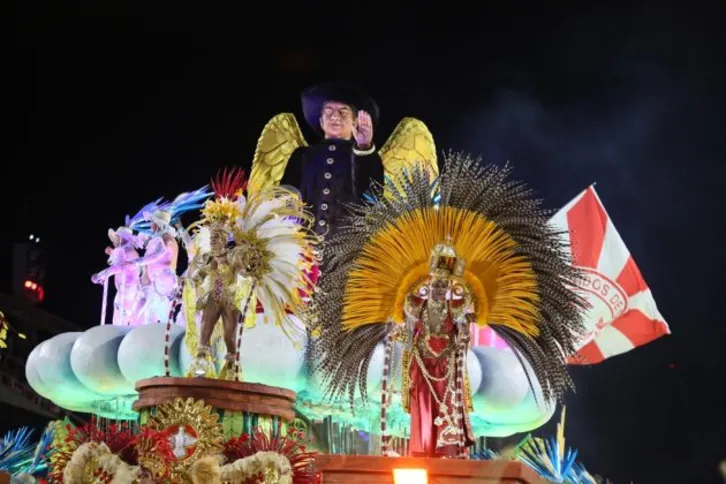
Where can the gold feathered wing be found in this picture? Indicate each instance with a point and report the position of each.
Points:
(410, 144)
(279, 139)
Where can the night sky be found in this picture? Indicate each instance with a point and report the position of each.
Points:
(111, 109)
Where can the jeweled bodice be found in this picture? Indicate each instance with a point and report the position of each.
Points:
(222, 276)
(434, 334)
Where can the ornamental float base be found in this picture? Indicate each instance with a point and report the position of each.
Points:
(345, 469)
(241, 406)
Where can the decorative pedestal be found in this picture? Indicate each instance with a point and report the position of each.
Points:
(223, 395)
(200, 414)
(241, 406)
(365, 469)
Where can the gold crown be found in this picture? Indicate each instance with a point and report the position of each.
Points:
(445, 261)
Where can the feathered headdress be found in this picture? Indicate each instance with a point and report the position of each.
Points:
(516, 268)
(228, 185)
(276, 243)
(183, 203)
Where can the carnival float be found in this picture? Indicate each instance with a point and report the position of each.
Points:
(422, 314)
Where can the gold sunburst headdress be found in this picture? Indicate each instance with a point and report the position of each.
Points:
(513, 264)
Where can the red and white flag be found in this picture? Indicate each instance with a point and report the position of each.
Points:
(623, 314)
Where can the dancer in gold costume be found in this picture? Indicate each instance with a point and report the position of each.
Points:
(261, 248)
(217, 277)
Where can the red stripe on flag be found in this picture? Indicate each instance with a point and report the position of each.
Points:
(630, 278)
(588, 355)
(587, 221)
(639, 328)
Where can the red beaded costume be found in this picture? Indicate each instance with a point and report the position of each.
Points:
(417, 267)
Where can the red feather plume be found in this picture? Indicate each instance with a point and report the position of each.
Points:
(228, 182)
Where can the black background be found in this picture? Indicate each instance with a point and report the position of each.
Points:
(115, 104)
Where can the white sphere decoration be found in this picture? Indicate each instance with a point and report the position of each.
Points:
(528, 415)
(52, 363)
(474, 371)
(539, 411)
(94, 359)
(268, 356)
(141, 353)
(497, 420)
(185, 357)
(300, 381)
(537, 396)
(504, 383)
(32, 375)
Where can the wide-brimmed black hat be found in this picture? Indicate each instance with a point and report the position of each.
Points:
(315, 97)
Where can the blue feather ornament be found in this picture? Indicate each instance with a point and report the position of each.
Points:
(553, 460)
(16, 450)
(183, 203)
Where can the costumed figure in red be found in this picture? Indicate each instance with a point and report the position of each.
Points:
(416, 267)
(435, 388)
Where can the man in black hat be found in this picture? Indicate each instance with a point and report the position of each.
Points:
(338, 169)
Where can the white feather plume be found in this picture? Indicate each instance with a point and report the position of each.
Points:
(277, 220)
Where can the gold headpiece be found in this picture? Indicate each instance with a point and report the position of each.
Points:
(445, 261)
(220, 212)
(228, 186)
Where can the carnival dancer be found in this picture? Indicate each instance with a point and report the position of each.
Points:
(418, 268)
(436, 338)
(159, 281)
(262, 247)
(339, 168)
(127, 278)
(213, 276)
(158, 266)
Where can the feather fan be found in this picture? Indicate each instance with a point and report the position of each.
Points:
(517, 269)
